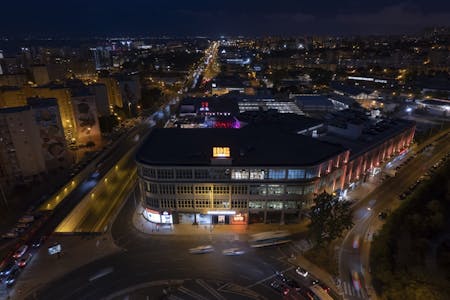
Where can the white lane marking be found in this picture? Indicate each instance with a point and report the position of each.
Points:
(267, 278)
(191, 293)
(210, 289)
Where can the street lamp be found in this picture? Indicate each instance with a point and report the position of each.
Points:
(195, 213)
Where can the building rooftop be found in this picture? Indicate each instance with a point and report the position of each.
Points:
(249, 146)
(313, 100)
(373, 134)
(288, 121)
(348, 89)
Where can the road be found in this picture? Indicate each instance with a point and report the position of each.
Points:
(151, 262)
(354, 252)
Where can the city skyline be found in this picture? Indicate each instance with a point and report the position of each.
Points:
(251, 18)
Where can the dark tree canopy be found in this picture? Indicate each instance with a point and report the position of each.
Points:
(329, 218)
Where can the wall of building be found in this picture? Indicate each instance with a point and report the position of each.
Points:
(244, 190)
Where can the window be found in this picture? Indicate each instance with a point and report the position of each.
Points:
(276, 174)
(221, 204)
(201, 174)
(256, 174)
(183, 173)
(168, 203)
(275, 189)
(296, 174)
(221, 190)
(202, 203)
(239, 203)
(152, 202)
(290, 205)
(165, 174)
(219, 173)
(294, 189)
(202, 190)
(185, 203)
(309, 189)
(274, 205)
(185, 189)
(311, 172)
(256, 204)
(258, 189)
(151, 188)
(168, 189)
(148, 172)
(240, 174)
(239, 189)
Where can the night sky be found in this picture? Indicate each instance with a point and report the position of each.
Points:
(220, 17)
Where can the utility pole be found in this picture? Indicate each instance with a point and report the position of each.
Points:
(5, 200)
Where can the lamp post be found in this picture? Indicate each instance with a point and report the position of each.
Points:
(195, 213)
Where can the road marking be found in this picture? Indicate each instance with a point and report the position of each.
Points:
(267, 278)
(348, 289)
(359, 294)
(210, 289)
(191, 293)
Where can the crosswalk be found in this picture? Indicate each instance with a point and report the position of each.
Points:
(350, 290)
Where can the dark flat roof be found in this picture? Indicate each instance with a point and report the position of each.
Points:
(249, 146)
(371, 136)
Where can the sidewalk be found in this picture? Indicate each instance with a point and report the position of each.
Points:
(144, 226)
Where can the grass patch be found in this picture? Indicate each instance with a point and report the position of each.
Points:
(325, 257)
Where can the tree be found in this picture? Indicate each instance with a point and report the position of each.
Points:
(329, 218)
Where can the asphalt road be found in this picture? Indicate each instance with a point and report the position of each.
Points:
(159, 263)
(354, 254)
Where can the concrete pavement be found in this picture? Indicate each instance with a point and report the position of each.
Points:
(144, 226)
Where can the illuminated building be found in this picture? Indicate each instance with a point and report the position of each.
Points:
(234, 176)
(372, 141)
(14, 97)
(32, 141)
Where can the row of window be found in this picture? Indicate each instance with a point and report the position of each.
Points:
(259, 189)
(274, 204)
(242, 204)
(235, 174)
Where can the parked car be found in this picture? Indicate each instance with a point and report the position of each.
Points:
(382, 215)
(20, 252)
(8, 268)
(11, 279)
(37, 243)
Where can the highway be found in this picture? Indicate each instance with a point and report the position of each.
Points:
(355, 249)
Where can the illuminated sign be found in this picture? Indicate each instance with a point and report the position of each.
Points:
(54, 249)
(152, 216)
(221, 152)
(238, 218)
